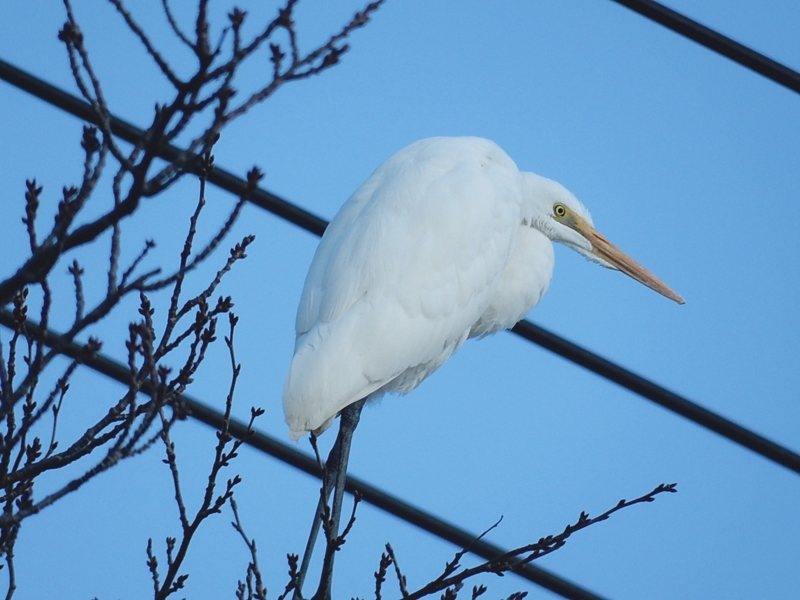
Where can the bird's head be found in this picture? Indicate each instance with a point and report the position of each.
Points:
(552, 209)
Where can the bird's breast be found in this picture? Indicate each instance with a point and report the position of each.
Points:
(523, 282)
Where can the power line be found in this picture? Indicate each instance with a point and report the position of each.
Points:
(316, 225)
(713, 40)
(659, 395)
(269, 445)
(132, 134)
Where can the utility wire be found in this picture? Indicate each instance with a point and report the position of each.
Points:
(314, 224)
(525, 329)
(747, 57)
(659, 395)
(265, 443)
(130, 133)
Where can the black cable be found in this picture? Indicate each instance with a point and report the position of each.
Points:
(294, 214)
(124, 130)
(715, 41)
(284, 452)
(659, 395)
(529, 331)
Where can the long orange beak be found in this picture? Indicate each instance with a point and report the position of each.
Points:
(619, 260)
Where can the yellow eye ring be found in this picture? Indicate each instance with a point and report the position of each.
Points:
(559, 210)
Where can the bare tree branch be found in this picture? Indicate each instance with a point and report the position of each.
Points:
(212, 502)
(454, 575)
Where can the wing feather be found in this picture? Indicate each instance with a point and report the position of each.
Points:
(406, 267)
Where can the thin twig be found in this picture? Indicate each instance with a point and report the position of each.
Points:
(260, 592)
(174, 24)
(151, 50)
(517, 557)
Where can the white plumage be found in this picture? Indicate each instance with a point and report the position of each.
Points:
(445, 241)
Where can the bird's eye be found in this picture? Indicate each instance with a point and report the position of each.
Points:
(560, 210)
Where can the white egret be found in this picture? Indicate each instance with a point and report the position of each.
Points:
(446, 240)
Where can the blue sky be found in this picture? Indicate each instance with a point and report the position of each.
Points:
(687, 161)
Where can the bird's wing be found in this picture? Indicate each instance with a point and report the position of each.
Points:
(403, 271)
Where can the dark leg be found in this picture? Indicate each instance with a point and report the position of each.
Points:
(348, 422)
(333, 475)
(331, 470)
